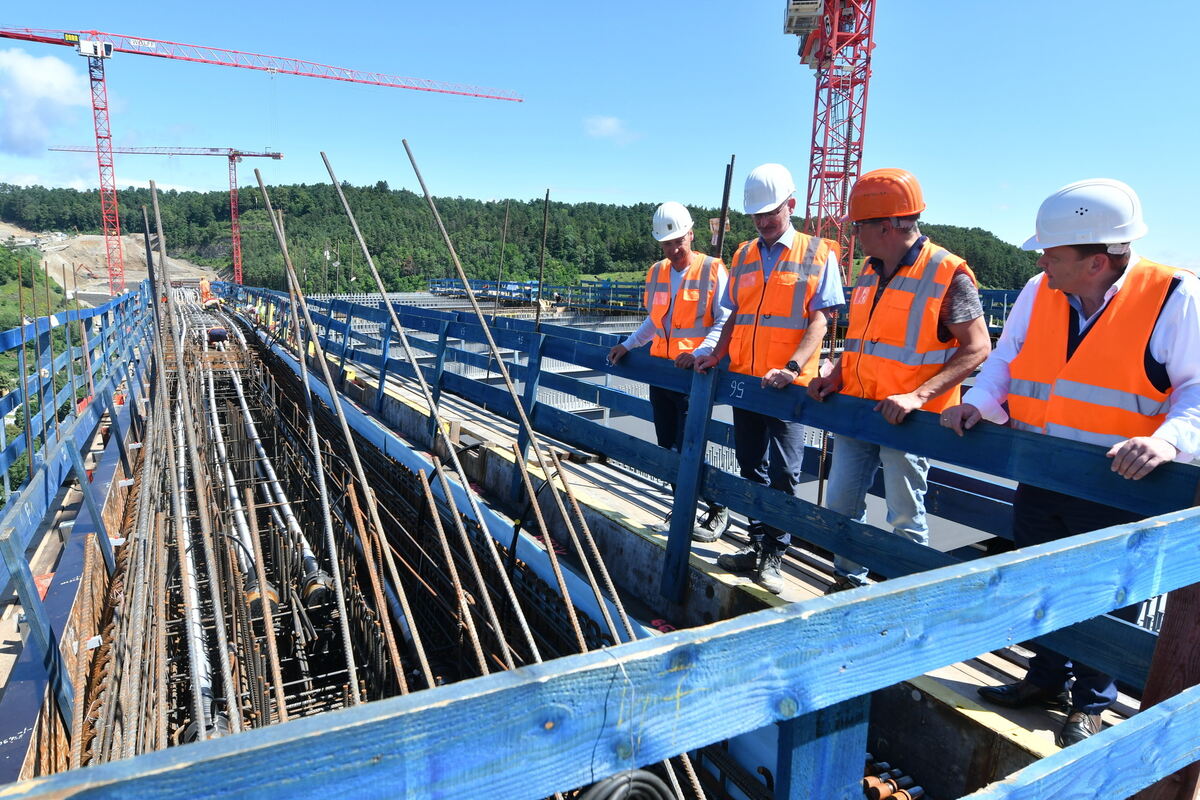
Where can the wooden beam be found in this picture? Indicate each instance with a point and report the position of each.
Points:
(822, 754)
(559, 725)
(1176, 667)
(1114, 763)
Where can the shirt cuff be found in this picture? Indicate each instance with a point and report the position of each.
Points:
(1182, 437)
(988, 407)
(702, 351)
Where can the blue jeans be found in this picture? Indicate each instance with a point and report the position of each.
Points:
(904, 483)
(770, 452)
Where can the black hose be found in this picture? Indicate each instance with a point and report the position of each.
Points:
(636, 784)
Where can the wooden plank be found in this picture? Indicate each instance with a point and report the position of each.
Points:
(554, 726)
(993, 449)
(1120, 648)
(1176, 667)
(821, 754)
(1114, 763)
(688, 482)
(42, 635)
(529, 403)
(385, 350)
(437, 381)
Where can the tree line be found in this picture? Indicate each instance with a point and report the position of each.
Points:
(582, 239)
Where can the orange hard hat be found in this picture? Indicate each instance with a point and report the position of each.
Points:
(884, 193)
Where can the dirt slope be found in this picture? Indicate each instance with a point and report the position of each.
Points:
(86, 254)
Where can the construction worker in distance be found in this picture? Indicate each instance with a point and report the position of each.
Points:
(684, 320)
(916, 331)
(207, 300)
(780, 286)
(1102, 346)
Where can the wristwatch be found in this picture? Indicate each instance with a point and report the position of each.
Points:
(792, 367)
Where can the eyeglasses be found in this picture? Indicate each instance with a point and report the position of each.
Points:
(855, 227)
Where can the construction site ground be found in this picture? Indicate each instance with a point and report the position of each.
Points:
(85, 253)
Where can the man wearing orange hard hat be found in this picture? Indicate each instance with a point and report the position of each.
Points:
(916, 331)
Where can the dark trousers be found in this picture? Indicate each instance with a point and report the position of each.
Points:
(670, 413)
(1040, 516)
(669, 410)
(769, 452)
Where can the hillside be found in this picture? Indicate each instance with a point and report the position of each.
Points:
(584, 239)
(84, 254)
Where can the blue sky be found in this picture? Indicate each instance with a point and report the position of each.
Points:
(992, 105)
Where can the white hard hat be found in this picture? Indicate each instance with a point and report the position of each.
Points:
(767, 186)
(671, 220)
(1094, 211)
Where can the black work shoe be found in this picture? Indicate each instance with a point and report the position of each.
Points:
(1079, 726)
(712, 525)
(841, 583)
(744, 560)
(1023, 693)
(770, 575)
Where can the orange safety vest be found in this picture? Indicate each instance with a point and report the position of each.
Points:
(1101, 395)
(691, 313)
(771, 319)
(893, 348)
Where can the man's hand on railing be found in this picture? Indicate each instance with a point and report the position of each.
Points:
(821, 387)
(1137, 457)
(685, 360)
(705, 363)
(617, 352)
(961, 417)
(896, 407)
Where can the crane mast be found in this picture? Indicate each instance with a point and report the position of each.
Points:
(97, 46)
(836, 39)
(234, 155)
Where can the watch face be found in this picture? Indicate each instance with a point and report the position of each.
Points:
(792, 366)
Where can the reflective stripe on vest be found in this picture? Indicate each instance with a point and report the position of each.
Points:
(1102, 394)
(690, 312)
(892, 345)
(771, 318)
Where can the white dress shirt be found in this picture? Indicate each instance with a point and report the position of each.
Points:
(1175, 343)
(645, 331)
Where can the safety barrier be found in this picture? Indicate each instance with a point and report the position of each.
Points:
(100, 371)
(808, 668)
(626, 296)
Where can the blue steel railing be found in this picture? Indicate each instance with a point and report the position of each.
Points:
(808, 667)
(104, 358)
(626, 296)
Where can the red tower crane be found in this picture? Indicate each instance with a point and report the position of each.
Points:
(836, 39)
(230, 153)
(96, 46)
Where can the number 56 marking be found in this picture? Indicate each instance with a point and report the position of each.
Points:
(737, 389)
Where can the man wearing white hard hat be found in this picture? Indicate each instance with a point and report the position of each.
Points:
(684, 318)
(1103, 346)
(780, 285)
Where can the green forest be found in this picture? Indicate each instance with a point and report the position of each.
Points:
(583, 240)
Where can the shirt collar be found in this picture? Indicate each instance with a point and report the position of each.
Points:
(789, 236)
(909, 259)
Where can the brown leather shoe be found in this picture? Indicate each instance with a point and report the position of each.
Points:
(1023, 693)
(1079, 726)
